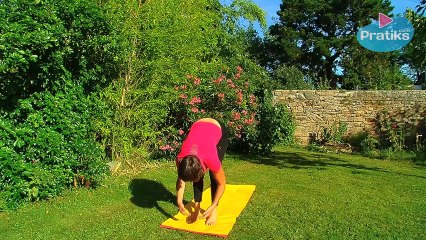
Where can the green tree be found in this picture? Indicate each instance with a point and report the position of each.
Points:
(290, 77)
(317, 35)
(367, 70)
(164, 47)
(412, 53)
(46, 44)
(421, 8)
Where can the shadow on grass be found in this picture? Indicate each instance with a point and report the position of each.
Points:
(147, 193)
(318, 161)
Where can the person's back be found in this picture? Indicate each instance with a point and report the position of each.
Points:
(201, 141)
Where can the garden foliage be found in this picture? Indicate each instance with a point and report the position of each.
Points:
(47, 142)
(205, 41)
(45, 44)
(254, 123)
(83, 82)
(55, 55)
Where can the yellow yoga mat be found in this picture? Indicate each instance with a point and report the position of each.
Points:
(232, 203)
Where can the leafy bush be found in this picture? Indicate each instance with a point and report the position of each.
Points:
(355, 139)
(227, 98)
(46, 43)
(332, 134)
(276, 126)
(391, 132)
(254, 124)
(54, 54)
(46, 143)
(289, 77)
(421, 154)
(204, 39)
(421, 146)
(369, 144)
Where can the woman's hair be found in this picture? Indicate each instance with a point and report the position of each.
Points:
(190, 169)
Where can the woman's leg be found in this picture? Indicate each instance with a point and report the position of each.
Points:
(198, 189)
(221, 150)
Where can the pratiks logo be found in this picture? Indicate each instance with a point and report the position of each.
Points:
(387, 34)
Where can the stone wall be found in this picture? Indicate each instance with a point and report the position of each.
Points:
(314, 109)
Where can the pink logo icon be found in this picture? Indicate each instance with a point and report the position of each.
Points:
(384, 20)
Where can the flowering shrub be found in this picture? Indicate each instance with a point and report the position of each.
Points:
(391, 131)
(227, 97)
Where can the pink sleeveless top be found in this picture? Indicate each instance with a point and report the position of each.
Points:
(201, 142)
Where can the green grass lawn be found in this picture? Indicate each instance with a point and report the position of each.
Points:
(299, 195)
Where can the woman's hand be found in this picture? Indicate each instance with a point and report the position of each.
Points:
(183, 210)
(209, 211)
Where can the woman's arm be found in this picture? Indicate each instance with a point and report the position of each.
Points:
(221, 183)
(180, 189)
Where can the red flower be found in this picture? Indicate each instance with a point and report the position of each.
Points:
(394, 125)
(251, 120)
(183, 87)
(248, 121)
(230, 83)
(194, 110)
(239, 97)
(183, 96)
(195, 100)
(197, 81)
(239, 69)
(221, 96)
(165, 148)
(219, 79)
(236, 115)
(181, 132)
(252, 99)
(177, 88)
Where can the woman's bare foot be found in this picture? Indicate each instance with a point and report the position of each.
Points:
(211, 220)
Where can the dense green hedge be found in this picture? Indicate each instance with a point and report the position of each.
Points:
(46, 143)
(54, 57)
(47, 43)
